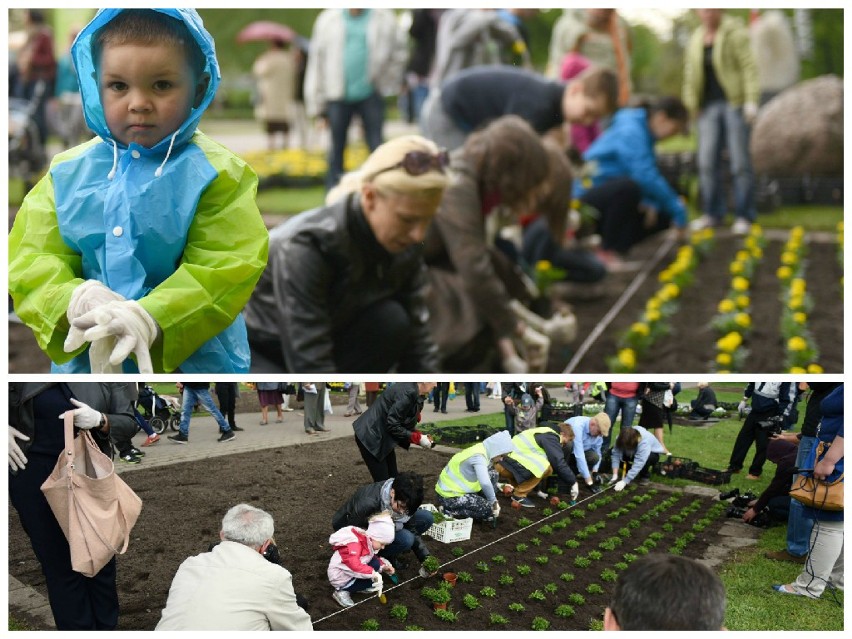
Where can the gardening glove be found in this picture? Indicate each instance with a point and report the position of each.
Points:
(749, 112)
(536, 349)
(17, 459)
(421, 439)
(614, 477)
(132, 326)
(575, 491)
(495, 509)
(85, 417)
(376, 577)
(88, 296)
(741, 407)
(561, 328)
(620, 486)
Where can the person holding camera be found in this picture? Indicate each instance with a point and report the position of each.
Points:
(638, 446)
(238, 585)
(771, 403)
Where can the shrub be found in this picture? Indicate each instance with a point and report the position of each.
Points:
(488, 591)
(599, 526)
(595, 624)
(562, 505)
(621, 565)
(370, 624)
(516, 607)
(567, 576)
(537, 595)
(535, 541)
(591, 507)
(431, 564)
(545, 530)
(594, 589)
(581, 534)
(572, 543)
(675, 550)
(656, 536)
(436, 595)
(521, 547)
(644, 517)
(558, 525)
(576, 598)
(523, 569)
(447, 615)
(555, 550)
(594, 554)
(458, 551)
(546, 512)
(523, 522)
(550, 588)
(582, 562)
(608, 575)
(633, 523)
(640, 550)
(464, 577)
(506, 580)
(498, 619)
(482, 566)
(676, 519)
(413, 628)
(649, 543)
(577, 513)
(667, 527)
(625, 532)
(398, 611)
(540, 623)
(542, 559)
(564, 611)
(498, 559)
(470, 602)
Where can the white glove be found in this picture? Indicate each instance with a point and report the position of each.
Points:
(376, 577)
(620, 486)
(425, 441)
(17, 459)
(575, 491)
(741, 407)
(495, 509)
(85, 417)
(614, 477)
(86, 297)
(561, 328)
(749, 112)
(515, 365)
(133, 327)
(536, 349)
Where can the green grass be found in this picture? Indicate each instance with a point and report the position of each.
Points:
(14, 624)
(280, 201)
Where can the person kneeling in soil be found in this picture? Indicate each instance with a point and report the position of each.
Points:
(355, 565)
(694, 596)
(639, 447)
(538, 452)
(238, 585)
(467, 487)
(401, 496)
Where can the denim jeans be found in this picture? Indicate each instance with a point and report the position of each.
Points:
(360, 585)
(799, 525)
(471, 395)
(191, 396)
(721, 125)
(404, 539)
(371, 110)
(627, 406)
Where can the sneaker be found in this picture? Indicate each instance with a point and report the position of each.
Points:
(343, 598)
(151, 439)
(784, 555)
(287, 409)
(740, 226)
(643, 481)
(425, 573)
(135, 451)
(541, 494)
(701, 223)
(322, 430)
(227, 436)
(526, 502)
(129, 458)
(236, 428)
(180, 438)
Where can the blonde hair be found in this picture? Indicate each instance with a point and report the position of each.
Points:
(376, 171)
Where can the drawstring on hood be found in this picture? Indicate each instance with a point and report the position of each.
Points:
(159, 170)
(111, 174)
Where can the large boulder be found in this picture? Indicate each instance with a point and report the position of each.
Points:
(800, 131)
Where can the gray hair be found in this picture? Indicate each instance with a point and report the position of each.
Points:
(247, 525)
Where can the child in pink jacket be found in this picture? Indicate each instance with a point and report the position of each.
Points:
(355, 565)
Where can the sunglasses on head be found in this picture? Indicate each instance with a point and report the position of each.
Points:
(419, 162)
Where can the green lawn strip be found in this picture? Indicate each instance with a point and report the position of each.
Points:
(280, 201)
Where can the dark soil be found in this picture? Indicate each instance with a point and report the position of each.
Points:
(765, 344)
(184, 505)
(823, 276)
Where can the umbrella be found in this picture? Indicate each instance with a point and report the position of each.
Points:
(264, 30)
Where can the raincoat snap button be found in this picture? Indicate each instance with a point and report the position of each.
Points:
(118, 231)
(135, 154)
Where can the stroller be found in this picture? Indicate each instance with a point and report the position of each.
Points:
(161, 411)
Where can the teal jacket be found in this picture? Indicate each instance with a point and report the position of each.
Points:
(733, 64)
(175, 227)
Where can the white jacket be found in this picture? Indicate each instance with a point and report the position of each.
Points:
(232, 588)
(388, 55)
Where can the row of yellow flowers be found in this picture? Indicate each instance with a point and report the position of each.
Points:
(654, 320)
(733, 321)
(800, 352)
(301, 163)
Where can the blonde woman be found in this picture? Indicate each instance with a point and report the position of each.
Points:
(343, 290)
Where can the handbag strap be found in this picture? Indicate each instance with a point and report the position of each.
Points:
(68, 426)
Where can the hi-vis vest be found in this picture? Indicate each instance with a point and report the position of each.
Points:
(451, 482)
(528, 453)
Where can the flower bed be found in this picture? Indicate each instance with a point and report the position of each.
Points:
(547, 568)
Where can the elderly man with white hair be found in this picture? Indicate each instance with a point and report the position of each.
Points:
(237, 585)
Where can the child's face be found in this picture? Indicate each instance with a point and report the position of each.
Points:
(579, 108)
(147, 91)
(377, 545)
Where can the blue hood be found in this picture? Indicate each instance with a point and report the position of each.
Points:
(87, 71)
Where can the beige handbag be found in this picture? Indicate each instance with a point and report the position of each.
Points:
(95, 508)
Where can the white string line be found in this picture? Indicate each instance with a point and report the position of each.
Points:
(640, 278)
(466, 555)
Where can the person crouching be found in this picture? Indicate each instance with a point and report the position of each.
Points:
(355, 565)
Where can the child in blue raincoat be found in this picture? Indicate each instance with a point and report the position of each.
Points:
(147, 239)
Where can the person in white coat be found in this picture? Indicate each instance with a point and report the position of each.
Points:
(235, 586)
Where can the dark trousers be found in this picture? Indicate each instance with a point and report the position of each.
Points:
(226, 393)
(749, 434)
(645, 473)
(621, 224)
(380, 469)
(441, 393)
(471, 395)
(579, 265)
(360, 585)
(77, 602)
(371, 110)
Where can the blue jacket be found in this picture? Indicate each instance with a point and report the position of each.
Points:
(626, 149)
(175, 226)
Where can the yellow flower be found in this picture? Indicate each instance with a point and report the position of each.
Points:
(724, 359)
(543, 265)
(756, 230)
(739, 284)
(736, 268)
(640, 328)
(743, 301)
(800, 317)
(627, 358)
(742, 256)
(796, 344)
(797, 302)
(797, 232)
(665, 275)
(652, 315)
(652, 304)
(730, 342)
(727, 306)
(797, 370)
(672, 291)
(743, 320)
(757, 253)
(797, 286)
(815, 369)
(784, 273)
(751, 243)
(789, 258)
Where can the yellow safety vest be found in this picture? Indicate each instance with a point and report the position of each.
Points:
(451, 482)
(528, 453)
